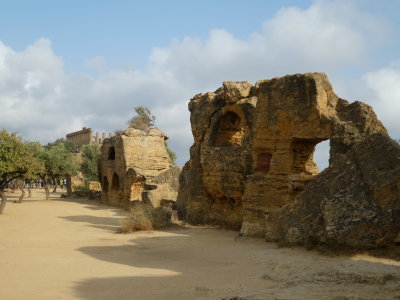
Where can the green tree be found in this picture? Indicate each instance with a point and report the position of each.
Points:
(16, 161)
(172, 154)
(71, 146)
(35, 167)
(143, 120)
(90, 162)
(58, 163)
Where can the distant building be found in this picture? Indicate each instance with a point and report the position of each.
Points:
(80, 138)
(86, 137)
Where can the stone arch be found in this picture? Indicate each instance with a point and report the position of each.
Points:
(303, 156)
(105, 184)
(322, 155)
(115, 182)
(111, 153)
(231, 130)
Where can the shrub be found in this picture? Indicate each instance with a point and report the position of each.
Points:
(144, 217)
(143, 120)
(81, 191)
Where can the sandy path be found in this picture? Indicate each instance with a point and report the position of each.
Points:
(71, 249)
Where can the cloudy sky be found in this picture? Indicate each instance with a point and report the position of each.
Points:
(69, 64)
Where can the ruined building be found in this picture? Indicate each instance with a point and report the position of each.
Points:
(85, 137)
(136, 166)
(251, 165)
(80, 138)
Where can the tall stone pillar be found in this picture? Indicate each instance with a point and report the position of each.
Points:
(90, 141)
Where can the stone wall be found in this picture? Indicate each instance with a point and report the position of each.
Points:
(354, 203)
(130, 165)
(253, 148)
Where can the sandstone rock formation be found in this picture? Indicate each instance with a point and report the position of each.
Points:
(136, 166)
(253, 149)
(355, 202)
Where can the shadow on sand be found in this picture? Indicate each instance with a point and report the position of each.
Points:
(212, 264)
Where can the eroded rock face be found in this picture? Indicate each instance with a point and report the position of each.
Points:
(213, 180)
(253, 148)
(354, 203)
(131, 165)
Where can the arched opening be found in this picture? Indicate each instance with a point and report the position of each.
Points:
(321, 155)
(104, 184)
(111, 153)
(303, 156)
(115, 182)
(230, 130)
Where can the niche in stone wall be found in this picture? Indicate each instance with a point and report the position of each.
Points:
(136, 189)
(115, 182)
(111, 153)
(263, 162)
(230, 131)
(105, 184)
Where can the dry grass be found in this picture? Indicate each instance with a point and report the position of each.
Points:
(145, 217)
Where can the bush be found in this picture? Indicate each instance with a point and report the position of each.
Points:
(81, 191)
(172, 155)
(81, 188)
(144, 217)
(143, 120)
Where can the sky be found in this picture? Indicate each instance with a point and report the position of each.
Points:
(69, 64)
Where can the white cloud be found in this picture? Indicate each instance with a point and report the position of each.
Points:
(384, 96)
(42, 102)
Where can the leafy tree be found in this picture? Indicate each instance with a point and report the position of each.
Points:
(90, 162)
(35, 167)
(144, 119)
(71, 146)
(58, 162)
(16, 161)
(172, 154)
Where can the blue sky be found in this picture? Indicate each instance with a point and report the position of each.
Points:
(68, 64)
(126, 31)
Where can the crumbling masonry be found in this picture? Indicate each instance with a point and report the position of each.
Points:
(251, 163)
(135, 166)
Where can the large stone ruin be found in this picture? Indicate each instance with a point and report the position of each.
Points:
(135, 166)
(86, 137)
(251, 165)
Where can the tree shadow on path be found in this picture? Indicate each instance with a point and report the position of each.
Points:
(212, 264)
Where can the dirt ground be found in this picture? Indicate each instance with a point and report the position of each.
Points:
(72, 249)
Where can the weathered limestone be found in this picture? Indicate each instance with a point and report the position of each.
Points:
(94, 186)
(253, 148)
(354, 203)
(131, 167)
